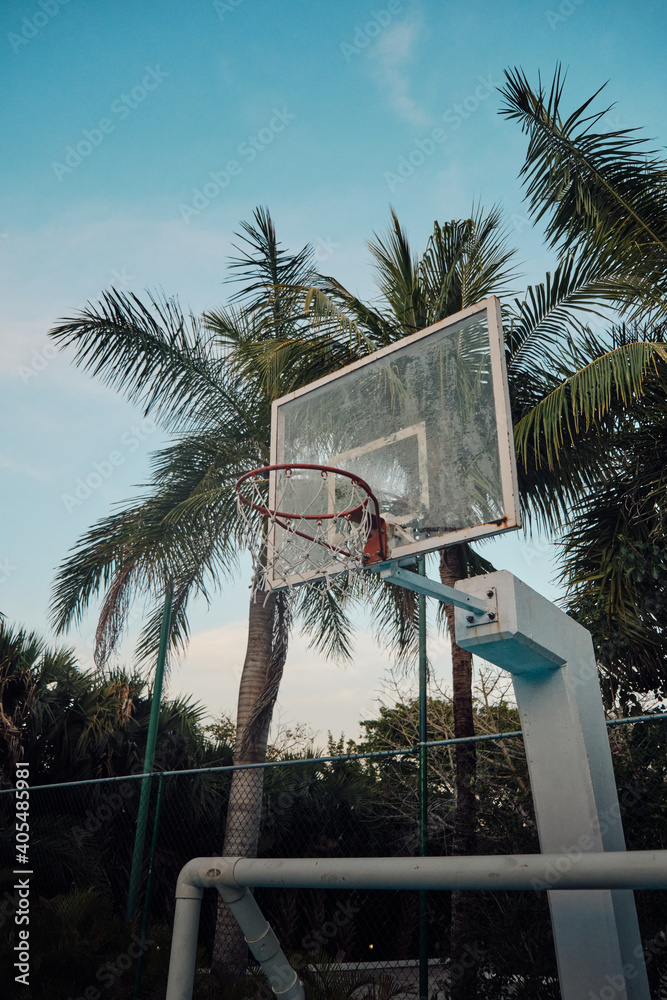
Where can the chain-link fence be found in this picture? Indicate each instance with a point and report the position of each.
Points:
(361, 944)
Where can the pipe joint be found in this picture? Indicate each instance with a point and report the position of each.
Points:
(265, 946)
(217, 873)
(207, 873)
(283, 980)
(292, 992)
(231, 894)
(186, 886)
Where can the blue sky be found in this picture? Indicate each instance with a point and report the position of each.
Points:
(137, 136)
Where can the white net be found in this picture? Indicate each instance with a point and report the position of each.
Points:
(316, 524)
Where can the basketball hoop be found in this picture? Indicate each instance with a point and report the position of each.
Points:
(303, 521)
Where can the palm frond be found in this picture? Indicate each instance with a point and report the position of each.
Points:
(271, 276)
(547, 495)
(548, 313)
(372, 328)
(276, 366)
(583, 398)
(323, 614)
(604, 192)
(615, 568)
(466, 261)
(186, 531)
(179, 630)
(154, 355)
(397, 277)
(395, 617)
(327, 313)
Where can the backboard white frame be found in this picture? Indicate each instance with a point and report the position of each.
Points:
(505, 438)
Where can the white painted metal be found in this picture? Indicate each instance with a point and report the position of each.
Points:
(571, 875)
(183, 955)
(195, 876)
(552, 662)
(431, 588)
(602, 870)
(504, 414)
(586, 693)
(579, 818)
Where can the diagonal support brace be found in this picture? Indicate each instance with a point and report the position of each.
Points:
(432, 588)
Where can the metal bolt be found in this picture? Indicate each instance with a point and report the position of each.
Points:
(470, 619)
(489, 593)
(492, 615)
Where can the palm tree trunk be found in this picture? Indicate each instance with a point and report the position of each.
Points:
(464, 983)
(258, 689)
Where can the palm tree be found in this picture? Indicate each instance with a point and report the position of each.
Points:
(604, 197)
(28, 670)
(185, 529)
(614, 555)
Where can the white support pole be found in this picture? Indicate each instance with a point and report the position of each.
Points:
(551, 659)
(183, 957)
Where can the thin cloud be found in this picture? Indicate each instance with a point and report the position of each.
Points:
(393, 53)
(24, 469)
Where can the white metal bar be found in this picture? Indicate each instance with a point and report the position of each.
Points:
(432, 588)
(183, 957)
(573, 870)
(568, 871)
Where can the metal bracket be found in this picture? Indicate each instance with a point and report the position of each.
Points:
(490, 613)
(481, 609)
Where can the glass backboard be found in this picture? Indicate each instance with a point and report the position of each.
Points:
(426, 423)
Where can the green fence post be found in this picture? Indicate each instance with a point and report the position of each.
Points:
(142, 817)
(423, 790)
(149, 882)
